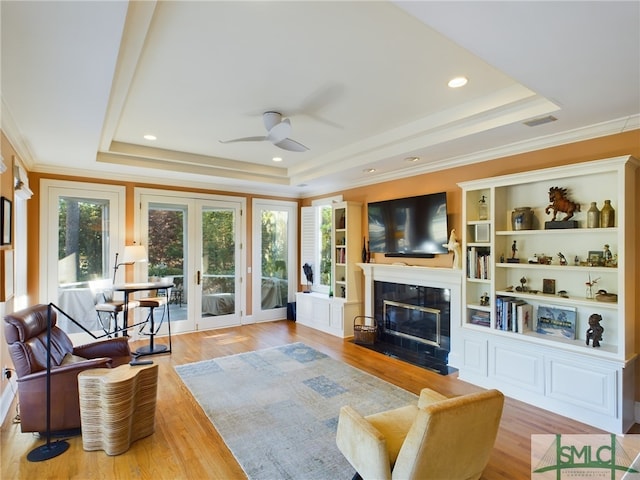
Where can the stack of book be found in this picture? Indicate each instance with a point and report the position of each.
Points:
(513, 315)
(478, 261)
(481, 318)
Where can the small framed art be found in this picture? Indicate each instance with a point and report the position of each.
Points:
(557, 321)
(596, 258)
(5, 221)
(549, 286)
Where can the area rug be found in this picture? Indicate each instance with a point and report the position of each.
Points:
(277, 409)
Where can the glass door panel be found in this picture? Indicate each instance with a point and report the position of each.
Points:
(167, 251)
(274, 240)
(83, 257)
(219, 275)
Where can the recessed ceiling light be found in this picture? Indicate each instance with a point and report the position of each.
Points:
(148, 136)
(457, 82)
(412, 159)
(277, 159)
(369, 170)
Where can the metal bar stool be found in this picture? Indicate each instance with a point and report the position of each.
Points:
(152, 303)
(107, 307)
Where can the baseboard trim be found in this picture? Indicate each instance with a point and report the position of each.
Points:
(7, 400)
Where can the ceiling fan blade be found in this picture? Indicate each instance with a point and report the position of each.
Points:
(271, 119)
(245, 139)
(280, 131)
(291, 145)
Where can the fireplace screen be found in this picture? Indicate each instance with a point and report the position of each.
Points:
(412, 321)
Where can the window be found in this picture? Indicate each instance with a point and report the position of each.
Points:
(316, 243)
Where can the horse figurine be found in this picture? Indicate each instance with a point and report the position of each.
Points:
(560, 203)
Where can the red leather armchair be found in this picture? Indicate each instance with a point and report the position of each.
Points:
(26, 334)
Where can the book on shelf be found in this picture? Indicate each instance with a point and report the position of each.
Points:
(514, 304)
(556, 321)
(502, 313)
(480, 318)
(478, 262)
(525, 317)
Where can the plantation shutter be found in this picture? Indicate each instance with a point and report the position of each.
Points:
(309, 239)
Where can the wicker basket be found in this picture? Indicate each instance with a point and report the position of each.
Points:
(364, 331)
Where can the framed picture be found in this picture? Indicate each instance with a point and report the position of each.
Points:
(549, 286)
(596, 258)
(557, 321)
(5, 221)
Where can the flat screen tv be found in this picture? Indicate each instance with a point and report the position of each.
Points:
(409, 227)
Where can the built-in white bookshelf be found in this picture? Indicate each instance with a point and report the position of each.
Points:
(550, 268)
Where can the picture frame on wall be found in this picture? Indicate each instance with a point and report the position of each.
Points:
(5, 221)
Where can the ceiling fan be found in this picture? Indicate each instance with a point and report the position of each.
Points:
(278, 131)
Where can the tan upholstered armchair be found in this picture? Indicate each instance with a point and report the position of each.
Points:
(26, 334)
(440, 438)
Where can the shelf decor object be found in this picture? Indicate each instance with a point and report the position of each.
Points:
(607, 215)
(549, 364)
(522, 218)
(593, 216)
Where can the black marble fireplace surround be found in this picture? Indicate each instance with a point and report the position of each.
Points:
(413, 324)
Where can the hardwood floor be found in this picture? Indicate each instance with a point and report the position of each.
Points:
(185, 444)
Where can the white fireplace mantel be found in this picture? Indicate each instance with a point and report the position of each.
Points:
(450, 278)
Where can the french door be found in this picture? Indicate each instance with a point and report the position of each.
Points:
(275, 279)
(81, 230)
(196, 241)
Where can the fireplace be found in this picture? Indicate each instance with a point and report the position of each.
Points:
(414, 308)
(421, 324)
(414, 323)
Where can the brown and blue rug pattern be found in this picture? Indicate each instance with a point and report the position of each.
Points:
(277, 409)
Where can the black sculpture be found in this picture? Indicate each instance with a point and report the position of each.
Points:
(595, 330)
(308, 273)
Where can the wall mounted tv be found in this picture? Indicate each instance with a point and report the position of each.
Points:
(409, 227)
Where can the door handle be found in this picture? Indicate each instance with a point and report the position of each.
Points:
(198, 278)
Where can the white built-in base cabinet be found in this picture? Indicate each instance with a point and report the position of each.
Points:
(587, 389)
(328, 314)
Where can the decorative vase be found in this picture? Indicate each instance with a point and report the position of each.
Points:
(364, 250)
(593, 216)
(368, 252)
(522, 219)
(607, 215)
